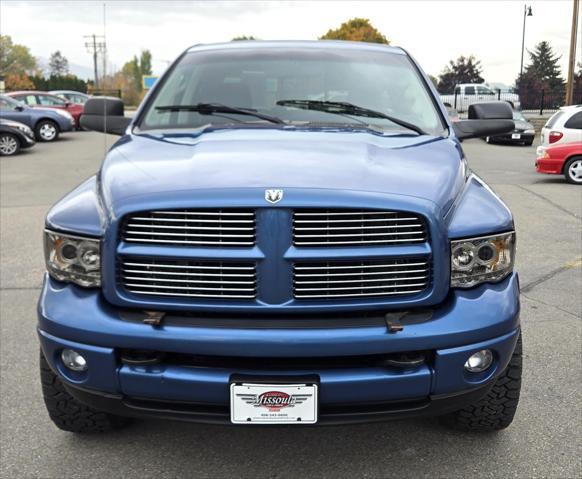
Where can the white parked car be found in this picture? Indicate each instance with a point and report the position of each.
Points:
(564, 126)
(466, 94)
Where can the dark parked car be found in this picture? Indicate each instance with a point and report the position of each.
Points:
(14, 136)
(523, 134)
(41, 99)
(47, 124)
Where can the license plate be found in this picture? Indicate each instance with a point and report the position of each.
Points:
(515, 136)
(273, 403)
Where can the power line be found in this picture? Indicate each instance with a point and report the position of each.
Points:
(95, 45)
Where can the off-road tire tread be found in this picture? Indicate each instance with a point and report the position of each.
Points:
(496, 410)
(69, 414)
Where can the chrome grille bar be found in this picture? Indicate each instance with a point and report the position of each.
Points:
(358, 279)
(235, 228)
(188, 278)
(357, 228)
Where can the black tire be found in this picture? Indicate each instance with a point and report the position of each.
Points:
(528, 143)
(496, 410)
(9, 144)
(46, 130)
(568, 173)
(69, 414)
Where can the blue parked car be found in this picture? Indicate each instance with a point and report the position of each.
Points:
(286, 233)
(47, 124)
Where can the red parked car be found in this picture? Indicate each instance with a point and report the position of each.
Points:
(41, 99)
(561, 159)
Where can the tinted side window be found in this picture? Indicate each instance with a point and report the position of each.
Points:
(469, 90)
(575, 122)
(552, 121)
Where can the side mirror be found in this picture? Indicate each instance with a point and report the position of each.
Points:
(486, 119)
(105, 114)
(19, 108)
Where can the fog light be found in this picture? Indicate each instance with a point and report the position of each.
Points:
(479, 361)
(73, 360)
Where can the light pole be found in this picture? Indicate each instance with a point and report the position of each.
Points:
(526, 13)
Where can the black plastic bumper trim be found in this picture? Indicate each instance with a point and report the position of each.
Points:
(328, 415)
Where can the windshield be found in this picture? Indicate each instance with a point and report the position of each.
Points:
(518, 115)
(258, 79)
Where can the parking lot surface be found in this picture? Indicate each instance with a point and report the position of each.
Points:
(544, 441)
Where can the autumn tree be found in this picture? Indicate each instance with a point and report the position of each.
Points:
(357, 30)
(463, 70)
(58, 64)
(15, 59)
(15, 81)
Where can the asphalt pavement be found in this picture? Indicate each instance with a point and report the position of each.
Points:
(545, 439)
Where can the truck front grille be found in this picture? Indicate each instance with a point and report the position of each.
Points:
(356, 279)
(188, 278)
(326, 227)
(216, 227)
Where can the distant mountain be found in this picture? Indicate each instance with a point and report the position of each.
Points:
(81, 71)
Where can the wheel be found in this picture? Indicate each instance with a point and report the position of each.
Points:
(573, 170)
(9, 144)
(69, 414)
(495, 411)
(46, 130)
(528, 142)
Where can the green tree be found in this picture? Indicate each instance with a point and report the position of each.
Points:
(463, 70)
(14, 58)
(243, 37)
(137, 67)
(541, 74)
(357, 30)
(58, 64)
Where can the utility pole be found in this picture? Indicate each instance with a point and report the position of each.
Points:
(572, 59)
(95, 45)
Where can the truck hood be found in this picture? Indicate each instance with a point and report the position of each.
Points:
(431, 168)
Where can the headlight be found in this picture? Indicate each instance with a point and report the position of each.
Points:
(481, 260)
(73, 259)
(530, 132)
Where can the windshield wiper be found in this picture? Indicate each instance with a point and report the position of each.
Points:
(345, 108)
(210, 108)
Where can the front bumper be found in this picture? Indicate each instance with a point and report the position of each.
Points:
(523, 137)
(484, 317)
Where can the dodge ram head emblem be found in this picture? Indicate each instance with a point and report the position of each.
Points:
(273, 196)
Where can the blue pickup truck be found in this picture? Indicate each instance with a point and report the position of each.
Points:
(285, 233)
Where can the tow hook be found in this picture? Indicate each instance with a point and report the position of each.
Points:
(154, 317)
(395, 320)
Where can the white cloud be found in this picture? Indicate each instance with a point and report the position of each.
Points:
(434, 32)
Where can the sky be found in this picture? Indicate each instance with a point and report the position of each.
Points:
(434, 32)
